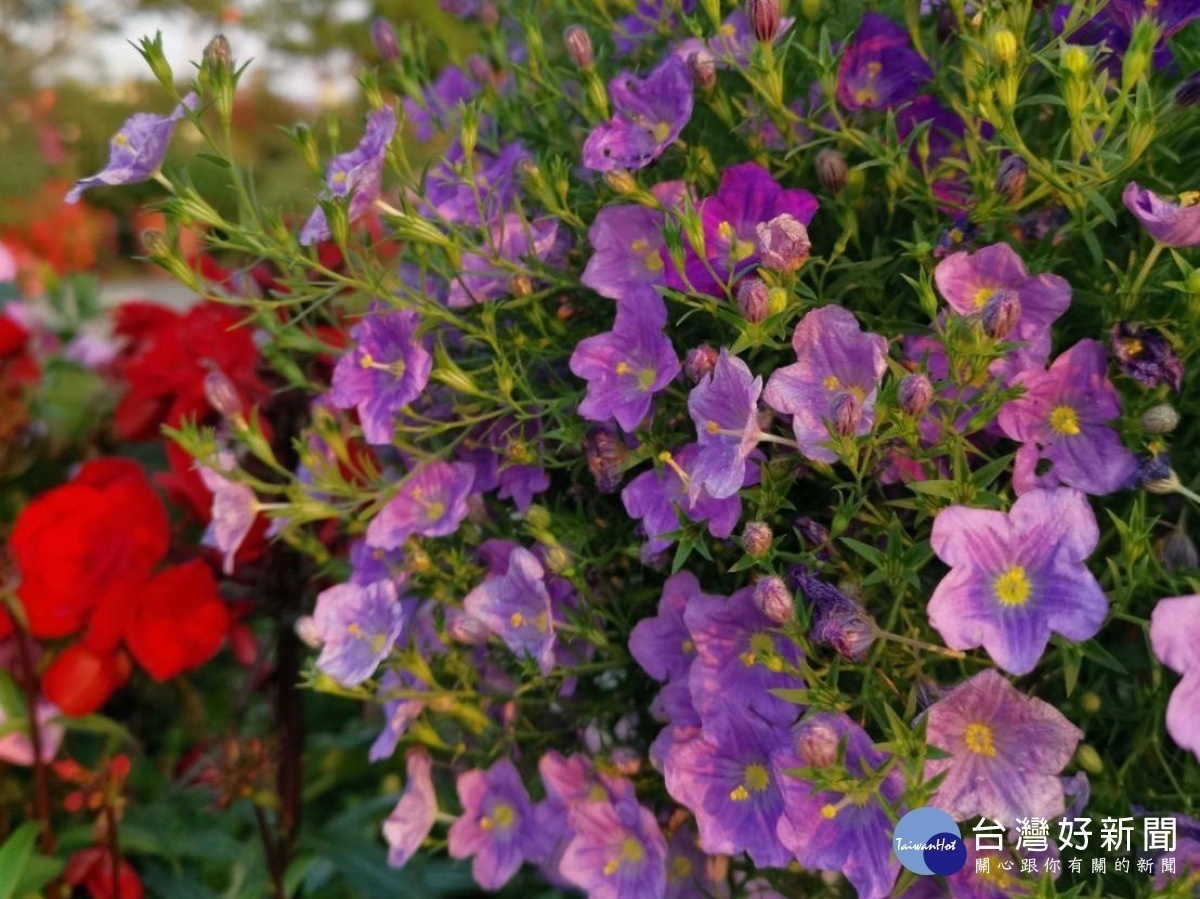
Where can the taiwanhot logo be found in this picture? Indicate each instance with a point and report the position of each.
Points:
(927, 841)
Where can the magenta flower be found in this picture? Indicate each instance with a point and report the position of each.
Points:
(1175, 638)
(358, 626)
(617, 851)
(724, 407)
(515, 607)
(1061, 419)
(432, 502)
(626, 241)
(386, 370)
(840, 367)
(880, 69)
(1006, 751)
(497, 827)
(1016, 577)
(137, 150)
(829, 831)
(1168, 223)
(648, 115)
(626, 366)
(357, 174)
(234, 510)
(488, 273)
(411, 820)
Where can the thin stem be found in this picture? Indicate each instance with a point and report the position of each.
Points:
(1143, 273)
(921, 644)
(271, 850)
(41, 781)
(114, 849)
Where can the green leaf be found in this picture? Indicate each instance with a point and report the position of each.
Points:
(14, 858)
(1102, 657)
(945, 489)
(868, 552)
(96, 724)
(39, 871)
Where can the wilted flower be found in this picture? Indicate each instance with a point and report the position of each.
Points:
(1010, 180)
(234, 510)
(411, 820)
(1168, 223)
(1175, 638)
(648, 115)
(1145, 355)
(1178, 552)
(606, 453)
(838, 621)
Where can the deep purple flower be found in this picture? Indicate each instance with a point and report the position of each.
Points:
(400, 709)
(1061, 419)
(358, 626)
(488, 272)
(836, 358)
(626, 241)
(829, 831)
(1145, 355)
(497, 826)
(1113, 26)
(516, 608)
(476, 194)
(432, 502)
(411, 820)
(626, 366)
(234, 510)
(1016, 577)
(747, 197)
(724, 407)
(386, 370)
(1168, 223)
(649, 18)
(137, 150)
(1006, 751)
(1175, 637)
(880, 69)
(648, 115)
(438, 105)
(505, 455)
(617, 851)
(357, 174)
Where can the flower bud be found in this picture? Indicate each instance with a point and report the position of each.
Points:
(699, 363)
(1089, 759)
(753, 299)
(621, 182)
(782, 243)
(1160, 419)
(1163, 486)
(703, 66)
(831, 170)
(1000, 314)
(914, 394)
(1090, 702)
(838, 621)
(811, 9)
(218, 55)
(579, 47)
(1002, 47)
(221, 394)
(764, 19)
(308, 632)
(1178, 552)
(605, 453)
(558, 560)
(1138, 57)
(846, 414)
(1011, 178)
(383, 35)
(774, 599)
(520, 286)
(1188, 92)
(1076, 61)
(817, 744)
(757, 539)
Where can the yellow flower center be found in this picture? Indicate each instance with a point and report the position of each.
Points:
(688, 647)
(1063, 420)
(502, 817)
(435, 510)
(631, 851)
(980, 740)
(725, 230)
(831, 382)
(649, 254)
(646, 378)
(829, 812)
(755, 779)
(1012, 587)
(681, 868)
(712, 427)
(662, 130)
(622, 368)
(517, 619)
(982, 295)
(338, 177)
(865, 95)
(597, 793)
(120, 140)
(762, 651)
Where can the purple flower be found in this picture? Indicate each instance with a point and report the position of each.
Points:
(662, 644)
(488, 273)
(438, 105)
(497, 826)
(516, 607)
(747, 197)
(137, 150)
(475, 194)
(1006, 751)
(648, 115)
(399, 710)
(838, 621)
(1175, 638)
(1145, 355)
(1061, 418)
(626, 366)
(851, 833)
(387, 369)
(357, 174)
(626, 241)
(690, 874)
(411, 820)
(234, 509)
(880, 69)
(432, 502)
(369, 564)
(358, 626)
(969, 281)
(1168, 223)
(724, 407)
(1113, 27)
(617, 851)
(1016, 577)
(836, 360)
(649, 18)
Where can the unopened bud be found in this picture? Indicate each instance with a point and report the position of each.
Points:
(753, 299)
(1076, 60)
(831, 170)
(703, 66)
(1160, 419)
(757, 538)
(221, 394)
(846, 414)
(1163, 486)
(1089, 759)
(764, 19)
(774, 599)
(538, 517)
(308, 632)
(558, 560)
(1178, 552)
(520, 286)
(621, 182)
(817, 743)
(699, 363)
(605, 453)
(782, 243)
(914, 394)
(218, 55)
(811, 9)
(1002, 47)
(777, 300)
(1000, 314)
(1010, 180)
(579, 47)
(383, 35)
(1090, 702)
(1137, 59)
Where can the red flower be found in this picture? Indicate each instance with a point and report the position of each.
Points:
(17, 365)
(93, 869)
(178, 621)
(80, 680)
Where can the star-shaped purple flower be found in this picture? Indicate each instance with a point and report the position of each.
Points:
(411, 820)
(1017, 576)
(386, 370)
(648, 115)
(880, 69)
(1005, 750)
(516, 607)
(840, 366)
(724, 407)
(358, 625)
(137, 150)
(432, 502)
(1168, 223)
(1061, 419)
(497, 827)
(1175, 638)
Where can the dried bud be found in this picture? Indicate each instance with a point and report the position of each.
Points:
(764, 19)
(1178, 552)
(838, 621)
(817, 743)
(914, 394)
(947, 24)
(846, 414)
(1002, 47)
(813, 532)
(1188, 92)
(605, 453)
(703, 66)
(753, 298)
(757, 539)
(218, 55)
(774, 599)
(1160, 419)
(1000, 314)
(1158, 483)
(831, 170)
(579, 47)
(221, 394)
(383, 35)
(782, 243)
(699, 363)
(1010, 180)
(520, 286)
